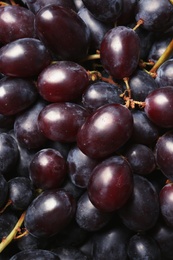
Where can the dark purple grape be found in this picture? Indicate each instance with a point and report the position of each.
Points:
(73, 189)
(9, 153)
(111, 243)
(106, 11)
(88, 216)
(16, 22)
(35, 254)
(143, 246)
(47, 169)
(164, 75)
(153, 13)
(144, 130)
(166, 203)
(8, 220)
(36, 5)
(6, 122)
(128, 12)
(25, 57)
(141, 211)
(158, 107)
(61, 121)
(63, 31)
(16, 94)
(120, 52)
(110, 184)
(69, 253)
(17, 187)
(3, 191)
(101, 93)
(164, 154)
(141, 159)
(105, 131)
(163, 235)
(157, 49)
(49, 213)
(62, 81)
(80, 167)
(30, 242)
(26, 127)
(97, 28)
(141, 85)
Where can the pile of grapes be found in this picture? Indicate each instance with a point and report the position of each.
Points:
(86, 130)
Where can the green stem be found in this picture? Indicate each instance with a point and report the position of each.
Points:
(167, 53)
(7, 240)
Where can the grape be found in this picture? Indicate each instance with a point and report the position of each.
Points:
(165, 196)
(106, 11)
(49, 213)
(26, 128)
(158, 107)
(164, 74)
(25, 57)
(17, 187)
(141, 211)
(69, 253)
(105, 131)
(36, 5)
(16, 22)
(141, 158)
(9, 153)
(141, 85)
(111, 184)
(111, 243)
(62, 81)
(153, 13)
(3, 191)
(101, 93)
(80, 167)
(88, 216)
(97, 28)
(120, 51)
(16, 94)
(47, 169)
(63, 31)
(143, 247)
(144, 130)
(157, 49)
(163, 154)
(35, 254)
(30, 242)
(128, 12)
(8, 220)
(61, 121)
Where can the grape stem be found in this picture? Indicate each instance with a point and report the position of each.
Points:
(167, 53)
(139, 23)
(7, 240)
(6, 206)
(171, 1)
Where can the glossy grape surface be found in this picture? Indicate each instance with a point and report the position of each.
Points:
(159, 107)
(110, 184)
(105, 131)
(88, 216)
(101, 93)
(165, 74)
(16, 22)
(163, 154)
(165, 196)
(49, 213)
(63, 31)
(3, 190)
(106, 11)
(26, 128)
(62, 81)
(36, 254)
(61, 121)
(47, 169)
(141, 211)
(16, 94)
(119, 58)
(25, 57)
(80, 167)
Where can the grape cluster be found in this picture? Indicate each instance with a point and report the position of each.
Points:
(86, 129)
